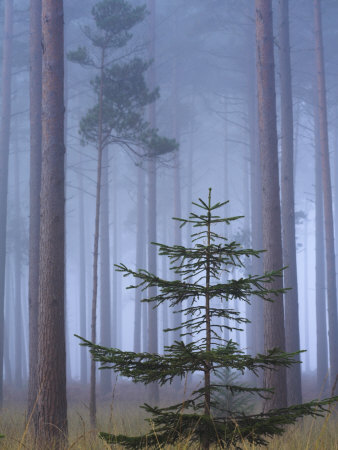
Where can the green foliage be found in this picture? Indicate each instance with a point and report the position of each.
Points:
(120, 87)
(230, 396)
(200, 269)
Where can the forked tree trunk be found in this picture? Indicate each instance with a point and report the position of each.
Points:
(34, 201)
(274, 334)
(4, 152)
(52, 401)
(292, 340)
(327, 192)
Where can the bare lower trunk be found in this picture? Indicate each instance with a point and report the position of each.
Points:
(105, 271)
(92, 400)
(288, 209)
(34, 201)
(4, 152)
(274, 334)
(327, 191)
(321, 305)
(82, 270)
(257, 325)
(17, 274)
(152, 208)
(177, 319)
(140, 254)
(52, 402)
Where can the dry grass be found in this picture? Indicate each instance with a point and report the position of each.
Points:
(123, 416)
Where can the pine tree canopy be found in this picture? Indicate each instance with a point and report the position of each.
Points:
(120, 87)
(207, 304)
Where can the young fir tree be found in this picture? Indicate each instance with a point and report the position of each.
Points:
(200, 268)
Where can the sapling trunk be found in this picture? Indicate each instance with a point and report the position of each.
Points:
(92, 401)
(207, 330)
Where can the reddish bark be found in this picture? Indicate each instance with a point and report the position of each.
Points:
(52, 402)
(327, 195)
(274, 334)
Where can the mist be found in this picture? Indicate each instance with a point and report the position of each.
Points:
(115, 117)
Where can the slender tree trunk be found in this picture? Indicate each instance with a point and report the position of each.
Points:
(177, 319)
(189, 202)
(140, 255)
(92, 401)
(207, 396)
(226, 190)
(288, 208)
(52, 402)
(116, 312)
(4, 152)
(165, 276)
(82, 270)
(105, 270)
(17, 275)
(327, 192)
(34, 192)
(152, 208)
(306, 294)
(257, 325)
(321, 325)
(8, 322)
(274, 334)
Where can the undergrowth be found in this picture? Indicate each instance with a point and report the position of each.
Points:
(309, 434)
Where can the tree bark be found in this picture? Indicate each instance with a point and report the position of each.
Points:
(140, 255)
(34, 201)
(92, 401)
(52, 402)
(82, 270)
(152, 208)
(17, 274)
(257, 325)
(274, 334)
(4, 152)
(321, 304)
(327, 194)
(177, 318)
(105, 271)
(292, 340)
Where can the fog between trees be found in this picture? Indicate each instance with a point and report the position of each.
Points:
(211, 94)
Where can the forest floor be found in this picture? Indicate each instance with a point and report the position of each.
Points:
(119, 413)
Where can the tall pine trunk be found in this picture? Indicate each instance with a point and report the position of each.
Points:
(274, 334)
(292, 340)
(327, 194)
(52, 402)
(4, 152)
(34, 200)
(152, 208)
